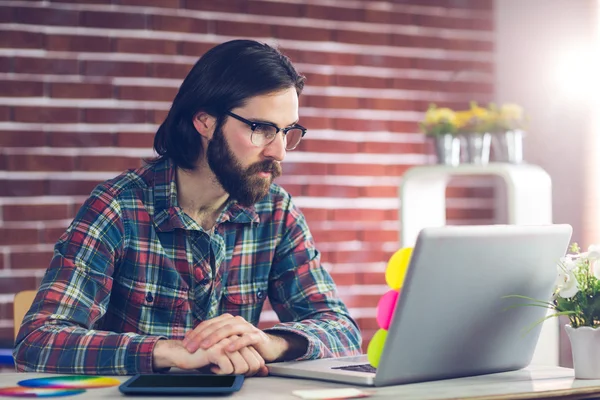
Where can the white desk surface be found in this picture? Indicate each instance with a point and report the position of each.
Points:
(529, 383)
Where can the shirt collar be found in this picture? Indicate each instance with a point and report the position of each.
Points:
(169, 216)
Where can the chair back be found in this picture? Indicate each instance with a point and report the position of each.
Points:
(22, 303)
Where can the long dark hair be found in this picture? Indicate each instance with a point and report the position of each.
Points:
(222, 79)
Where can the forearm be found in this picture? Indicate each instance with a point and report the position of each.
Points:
(325, 335)
(74, 350)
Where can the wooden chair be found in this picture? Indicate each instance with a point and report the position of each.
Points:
(22, 303)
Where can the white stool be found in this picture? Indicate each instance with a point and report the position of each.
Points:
(528, 199)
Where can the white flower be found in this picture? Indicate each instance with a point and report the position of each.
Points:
(567, 284)
(567, 263)
(593, 252)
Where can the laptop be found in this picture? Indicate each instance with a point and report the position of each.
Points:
(451, 319)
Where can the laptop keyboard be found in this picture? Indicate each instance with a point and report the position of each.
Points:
(358, 368)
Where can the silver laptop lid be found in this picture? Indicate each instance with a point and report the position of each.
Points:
(451, 319)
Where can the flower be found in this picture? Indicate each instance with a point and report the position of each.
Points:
(507, 117)
(577, 289)
(475, 120)
(438, 121)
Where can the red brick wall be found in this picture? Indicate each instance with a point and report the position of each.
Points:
(85, 83)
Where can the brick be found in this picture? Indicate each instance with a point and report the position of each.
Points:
(22, 139)
(14, 88)
(389, 104)
(359, 215)
(331, 236)
(372, 255)
(51, 235)
(362, 300)
(22, 187)
(151, 3)
(114, 68)
(344, 279)
(7, 14)
(379, 236)
(135, 140)
(303, 168)
(78, 43)
(178, 24)
(115, 20)
(327, 146)
(6, 64)
(81, 139)
(18, 236)
(72, 187)
(238, 28)
(108, 163)
(146, 46)
(458, 213)
(194, 49)
(315, 214)
(46, 16)
(35, 212)
(82, 1)
(314, 79)
(21, 40)
(114, 115)
(332, 102)
(73, 90)
(404, 126)
(370, 278)
(45, 114)
(171, 71)
(476, 192)
(332, 191)
(303, 33)
(334, 13)
(37, 162)
(361, 125)
(30, 260)
(316, 122)
(276, 9)
(372, 82)
(393, 148)
(17, 284)
(156, 116)
(145, 93)
(235, 6)
(30, 65)
(5, 113)
(379, 191)
(361, 37)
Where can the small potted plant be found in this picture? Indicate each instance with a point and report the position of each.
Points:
(577, 296)
(508, 122)
(440, 124)
(473, 126)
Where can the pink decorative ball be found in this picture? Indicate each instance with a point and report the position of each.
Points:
(386, 307)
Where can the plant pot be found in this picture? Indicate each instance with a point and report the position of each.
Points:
(447, 149)
(508, 146)
(477, 148)
(585, 347)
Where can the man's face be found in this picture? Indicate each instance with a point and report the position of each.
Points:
(244, 170)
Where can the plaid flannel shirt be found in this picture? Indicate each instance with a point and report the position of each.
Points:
(133, 268)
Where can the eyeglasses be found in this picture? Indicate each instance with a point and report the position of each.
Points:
(264, 133)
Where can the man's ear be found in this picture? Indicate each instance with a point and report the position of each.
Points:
(205, 124)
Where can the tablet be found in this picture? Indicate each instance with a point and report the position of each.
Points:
(181, 384)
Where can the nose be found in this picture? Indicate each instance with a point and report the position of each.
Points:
(276, 149)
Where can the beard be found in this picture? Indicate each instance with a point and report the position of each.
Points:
(243, 184)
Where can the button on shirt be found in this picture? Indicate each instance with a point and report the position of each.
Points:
(133, 268)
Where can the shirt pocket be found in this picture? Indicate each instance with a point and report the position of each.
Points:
(245, 300)
(155, 309)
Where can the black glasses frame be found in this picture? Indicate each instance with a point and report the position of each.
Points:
(254, 125)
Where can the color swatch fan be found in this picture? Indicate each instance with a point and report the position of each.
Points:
(70, 382)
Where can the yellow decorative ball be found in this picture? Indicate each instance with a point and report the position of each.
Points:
(375, 348)
(397, 267)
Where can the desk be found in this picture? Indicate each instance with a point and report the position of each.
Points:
(529, 383)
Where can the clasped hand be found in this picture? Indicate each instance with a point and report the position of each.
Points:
(233, 345)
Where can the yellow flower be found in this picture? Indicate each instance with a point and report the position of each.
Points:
(511, 112)
(436, 116)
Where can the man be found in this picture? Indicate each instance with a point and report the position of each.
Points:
(169, 265)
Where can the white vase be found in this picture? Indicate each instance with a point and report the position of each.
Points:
(447, 148)
(585, 347)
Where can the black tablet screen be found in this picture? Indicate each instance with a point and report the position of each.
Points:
(187, 381)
